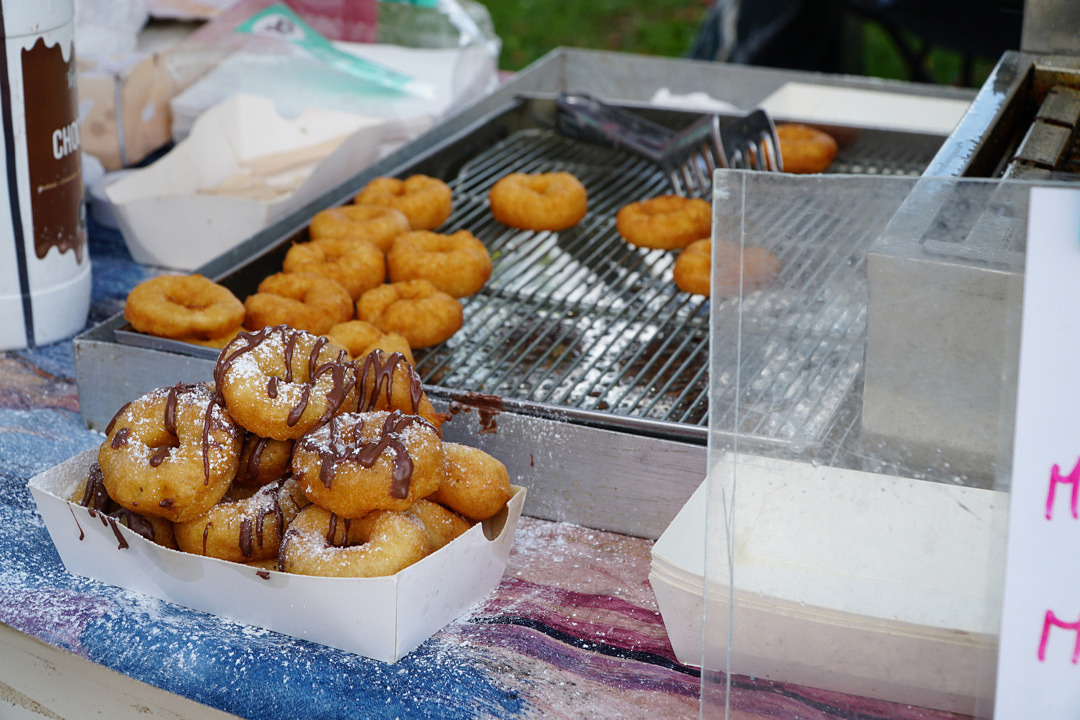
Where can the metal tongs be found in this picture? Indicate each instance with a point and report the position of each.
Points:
(687, 157)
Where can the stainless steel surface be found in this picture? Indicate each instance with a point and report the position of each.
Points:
(576, 331)
(1051, 26)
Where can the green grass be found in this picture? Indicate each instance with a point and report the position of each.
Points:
(531, 28)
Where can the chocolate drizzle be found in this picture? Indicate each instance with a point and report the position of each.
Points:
(487, 407)
(343, 446)
(380, 369)
(248, 342)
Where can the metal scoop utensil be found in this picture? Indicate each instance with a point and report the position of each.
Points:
(687, 157)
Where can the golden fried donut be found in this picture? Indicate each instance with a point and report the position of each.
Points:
(304, 301)
(381, 543)
(91, 494)
(359, 462)
(805, 149)
(243, 528)
(362, 338)
(457, 264)
(280, 382)
(441, 524)
(262, 461)
(693, 267)
(355, 265)
(426, 201)
(375, 224)
(758, 268)
(170, 453)
(387, 381)
(667, 222)
(414, 309)
(218, 342)
(183, 306)
(542, 201)
(475, 484)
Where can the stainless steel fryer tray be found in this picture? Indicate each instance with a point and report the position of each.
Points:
(582, 321)
(574, 457)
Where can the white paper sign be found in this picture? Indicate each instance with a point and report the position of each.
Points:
(1039, 655)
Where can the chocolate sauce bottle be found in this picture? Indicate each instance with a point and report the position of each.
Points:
(44, 263)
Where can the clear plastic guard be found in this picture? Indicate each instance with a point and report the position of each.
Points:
(861, 414)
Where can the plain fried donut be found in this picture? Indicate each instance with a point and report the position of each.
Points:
(475, 484)
(304, 301)
(386, 381)
(414, 309)
(542, 201)
(693, 267)
(362, 338)
(805, 149)
(243, 528)
(183, 306)
(666, 222)
(359, 462)
(381, 543)
(375, 224)
(426, 201)
(170, 453)
(457, 264)
(355, 265)
(758, 268)
(441, 524)
(280, 382)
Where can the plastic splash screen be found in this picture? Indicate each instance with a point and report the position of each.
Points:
(865, 336)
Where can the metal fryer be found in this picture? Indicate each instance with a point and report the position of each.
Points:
(579, 360)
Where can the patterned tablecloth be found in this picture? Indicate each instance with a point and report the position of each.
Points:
(573, 630)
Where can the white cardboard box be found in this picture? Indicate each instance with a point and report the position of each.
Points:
(242, 168)
(382, 618)
(853, 582)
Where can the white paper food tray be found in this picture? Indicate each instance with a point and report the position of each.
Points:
(383, 618)
(847, 581)
(243, 168)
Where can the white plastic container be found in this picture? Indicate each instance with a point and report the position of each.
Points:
(44, 260)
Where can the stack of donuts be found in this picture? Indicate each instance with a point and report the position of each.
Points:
(299, 458)
(373, 273)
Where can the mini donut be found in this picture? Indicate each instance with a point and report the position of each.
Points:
(441, 524)
(262, 461)
(414, 309)
(758, 268)
(183, 306)
(666, 222)
(280, 382)
(362, 338)
(386, 381)
(92, 494)
(542, 201)
(475, 484)
(317, 542)
(693, 267)
(426, 201)
(375, 224)
(457, 264)
(304, 301)
(243, 528)
(356, 266)
(170, 453)
(359, 462)
(805, 149)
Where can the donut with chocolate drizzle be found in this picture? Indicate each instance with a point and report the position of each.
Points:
(280, 382)
(244, 527)
(387, 381)
(359, 462)
(171, 453)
